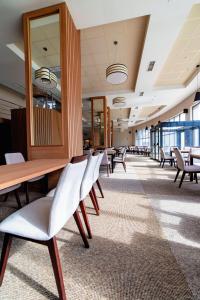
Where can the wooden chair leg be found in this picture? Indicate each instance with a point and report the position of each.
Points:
(27, 193)
(4, 255)
(6, 197)
(18, 199)
(124, 165)
(100, 189)
(161, 162)
(94, 202)
(80, 227)
(182, 177)
(178, 171)
(55, 260)
(95, 197)
(110, 169)
(85, 217)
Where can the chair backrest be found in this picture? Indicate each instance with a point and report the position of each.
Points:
(67, 196)
(179, 158)
(14, 158)
(105, 160)
(88, 152)
(162, 153)
(96, 171)
(88, 178)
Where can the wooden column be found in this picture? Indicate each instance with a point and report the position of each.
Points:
(71, 102)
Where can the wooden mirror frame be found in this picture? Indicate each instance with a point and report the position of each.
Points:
(105, 120)
(70, 62)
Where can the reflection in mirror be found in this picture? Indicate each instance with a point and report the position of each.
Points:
(98, 122)
(46, 126)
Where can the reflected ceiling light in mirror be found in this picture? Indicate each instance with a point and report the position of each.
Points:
(45, 79)
(116, 73)
(119, 101)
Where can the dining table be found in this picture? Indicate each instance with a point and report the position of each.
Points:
(18, 173)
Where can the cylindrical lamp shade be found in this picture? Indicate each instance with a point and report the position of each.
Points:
(45, 78)
(116, 73)
(119, 101)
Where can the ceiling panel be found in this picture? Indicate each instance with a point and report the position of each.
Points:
(98, 52)
(180, 66)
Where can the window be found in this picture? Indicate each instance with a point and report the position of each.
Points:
(196, 112)
(143, 137)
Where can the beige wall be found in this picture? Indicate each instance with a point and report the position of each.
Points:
(122, 138)
(187, 103)
(12, 96)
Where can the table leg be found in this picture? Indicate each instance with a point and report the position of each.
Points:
(191, 174)
(112, 159)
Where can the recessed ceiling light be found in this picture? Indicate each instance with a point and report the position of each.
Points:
(151, 65)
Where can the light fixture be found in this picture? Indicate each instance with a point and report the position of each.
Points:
(116, 73)
(197, 95)
(45, 79)
(119, 101)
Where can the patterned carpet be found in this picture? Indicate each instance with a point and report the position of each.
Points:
(145, 243)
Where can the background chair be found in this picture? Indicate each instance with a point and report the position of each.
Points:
(165, 158)
(14, 189)
(96, 176)
(121, 159)
(41, 220)
(105, 162)
(182, 167)
(16, 158)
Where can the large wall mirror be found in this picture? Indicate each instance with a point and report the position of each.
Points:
(99, 122)
(46, 104)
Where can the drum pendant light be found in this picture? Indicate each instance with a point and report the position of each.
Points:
(116, 73)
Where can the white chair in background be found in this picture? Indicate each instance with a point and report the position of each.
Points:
(16, 158)
(13, 189)
(165, 158)
(182, 167)
(106, 162)
(121, 158)
(96, 176)
(42, 219)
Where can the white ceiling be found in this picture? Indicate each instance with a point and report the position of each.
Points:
(167, 18)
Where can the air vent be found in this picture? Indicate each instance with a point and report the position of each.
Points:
(141, 94)
(151, 65)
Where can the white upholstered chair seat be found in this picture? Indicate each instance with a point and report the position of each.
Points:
(10, 189)
(118, 159)
(51, 193)
(31, 221)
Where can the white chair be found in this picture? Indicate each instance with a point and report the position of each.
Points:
(105, 162)
(182, 167)
(165, 158)
(42, 219)
(96, 176)
(16, 158)
(14, 189)
(86, 188)
(88, 152)
(121, 158)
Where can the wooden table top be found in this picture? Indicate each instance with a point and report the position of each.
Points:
(18, 173)
(195, 155)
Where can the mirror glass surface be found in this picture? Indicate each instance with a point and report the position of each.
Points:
(46, 106)
(98, 122)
